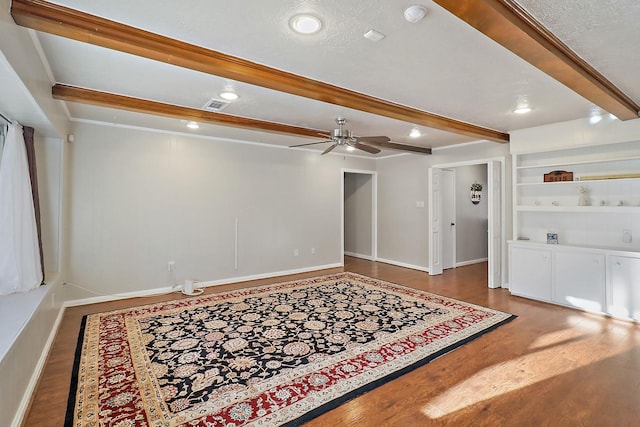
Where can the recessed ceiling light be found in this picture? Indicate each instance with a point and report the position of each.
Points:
(305, 24)
(415, 132)
(415, 13)
(193, 125)
(522, 110)
(374, 35)
(229, 95)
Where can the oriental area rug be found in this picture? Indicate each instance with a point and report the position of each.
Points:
(265, 356)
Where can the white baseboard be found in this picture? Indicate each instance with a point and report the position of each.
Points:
(473, 261)
(267, 275)
(403, 264)
(35, 377)
(355, 255)
(114, 297)
(200, 284)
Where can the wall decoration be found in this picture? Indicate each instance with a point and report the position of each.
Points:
(583, 200)
(558, 176)
(476, 192)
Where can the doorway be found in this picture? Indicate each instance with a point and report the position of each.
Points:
(359, 214)
(439, 223)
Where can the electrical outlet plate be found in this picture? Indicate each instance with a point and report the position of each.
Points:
(626, 236)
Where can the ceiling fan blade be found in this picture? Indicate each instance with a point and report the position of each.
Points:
(403, 147)
(368, 149)
(310, 143)
(329, 149)
(380, 139)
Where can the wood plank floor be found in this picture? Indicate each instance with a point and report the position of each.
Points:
(551, 366)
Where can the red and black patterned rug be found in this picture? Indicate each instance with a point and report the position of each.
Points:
(265, 356)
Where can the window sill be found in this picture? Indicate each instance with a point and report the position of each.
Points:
(16, 310)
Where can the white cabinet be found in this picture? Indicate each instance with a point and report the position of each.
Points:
(579, 279)
(624, 287)
(530, 272)
(591, 279)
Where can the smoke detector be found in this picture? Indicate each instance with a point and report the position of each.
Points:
(415, 13)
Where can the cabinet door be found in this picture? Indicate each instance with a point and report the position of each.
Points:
(530, 272)
(579, 280)
(624, 287)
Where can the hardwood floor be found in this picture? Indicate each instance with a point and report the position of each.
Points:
(551, 366)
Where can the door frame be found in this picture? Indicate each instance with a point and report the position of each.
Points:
(487, 161)
(447, 224)
(374, 210)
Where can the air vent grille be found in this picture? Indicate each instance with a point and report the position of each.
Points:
(216, 105)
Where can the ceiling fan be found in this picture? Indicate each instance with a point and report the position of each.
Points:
(344, 137)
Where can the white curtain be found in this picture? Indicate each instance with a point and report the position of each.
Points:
(20, 268)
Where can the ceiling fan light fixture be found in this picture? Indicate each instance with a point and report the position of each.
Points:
(350, 148)
(305, 24)
(415, 133)
(415, 13)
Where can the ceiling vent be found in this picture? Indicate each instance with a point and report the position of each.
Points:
(216, 105)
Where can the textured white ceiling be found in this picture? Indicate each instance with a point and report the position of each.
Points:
(440, 65)
(605, 33)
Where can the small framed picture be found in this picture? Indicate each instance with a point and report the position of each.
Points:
(552, 238)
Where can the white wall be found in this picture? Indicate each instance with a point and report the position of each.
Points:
(139, 199)
(402, 180)
(471, 220)
(358, 215)
(402, 227)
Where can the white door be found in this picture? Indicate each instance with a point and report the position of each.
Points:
(435, 222)
(494, 178)
(448, 193)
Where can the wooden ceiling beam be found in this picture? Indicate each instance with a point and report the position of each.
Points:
(62, 21)
(121, 102)
(510, 25)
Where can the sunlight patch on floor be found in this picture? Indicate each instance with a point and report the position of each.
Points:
(558, 353)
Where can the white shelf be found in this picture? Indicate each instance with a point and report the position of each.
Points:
(581, 209)
(589, 181)
(579, 162)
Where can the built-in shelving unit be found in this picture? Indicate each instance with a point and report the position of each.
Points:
(612, 205)
(596, 264)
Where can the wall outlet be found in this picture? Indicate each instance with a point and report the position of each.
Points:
(171, 266)
(626, 236)
(313, 251)
(296, 252)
